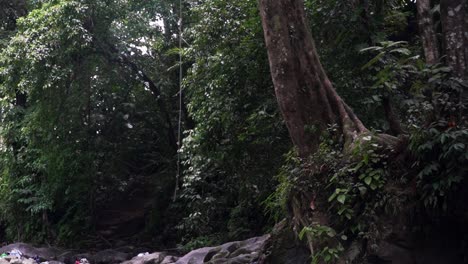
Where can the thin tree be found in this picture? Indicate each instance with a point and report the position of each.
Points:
(454, 18)
(427, 31)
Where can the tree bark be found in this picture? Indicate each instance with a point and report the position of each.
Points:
(455, 32)
(466, 37)
(306, 97)
(427, 31)
(391, 117)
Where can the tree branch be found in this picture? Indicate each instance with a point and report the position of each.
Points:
(123, 60)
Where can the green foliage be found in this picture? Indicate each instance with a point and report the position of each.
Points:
(80, 129)
(233, 152)
(441, 164)
(341, 29)
(357, 187)
(201, 241)
(439, 137)
(75, 126)
(276, 203)
(322, 234)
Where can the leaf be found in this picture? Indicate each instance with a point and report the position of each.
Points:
(459, 146)
(368, 180)
(304, 231)
(373, 61)
(394, 43)
(362, 190)
(370, 48)
(403, 51)
(340, 212)
(341, 198)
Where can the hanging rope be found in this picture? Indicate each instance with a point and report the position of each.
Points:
(179, 128)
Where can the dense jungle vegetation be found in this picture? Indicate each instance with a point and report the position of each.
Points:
(193, 123)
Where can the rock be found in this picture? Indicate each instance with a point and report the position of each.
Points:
(284, 247)
(87, 256)
(169, 260)
(240, 251)
(196, 256)
(232, 252)
(109, 257)
(16, 261)
(392, 253)
(48, 253)
(120, 243)
(67, 257)
(28, 261)
(126, 249)
(154, 258)
(30, 251)
(242, 259)
(139, 250)
(218, 261)
(216, 255)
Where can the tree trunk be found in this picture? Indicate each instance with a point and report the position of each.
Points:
(455, 32)
(306, 97)
(466, 37)
(427, 31)
(392, 119)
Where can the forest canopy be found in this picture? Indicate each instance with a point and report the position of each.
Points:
(192, 123)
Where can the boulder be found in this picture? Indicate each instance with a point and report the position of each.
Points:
(87, 256)
(233, 252)
(169, 260)
(126, 249)
(16, 261)
(284, 248)
(110, 257)
(29, 251)
(67, 257)
(154, 258)
(28, 261)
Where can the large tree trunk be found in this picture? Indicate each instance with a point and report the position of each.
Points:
(455, 32)
(427, 31)
(307, 98)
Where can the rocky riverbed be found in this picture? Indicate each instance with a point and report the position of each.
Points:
(238, 252)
